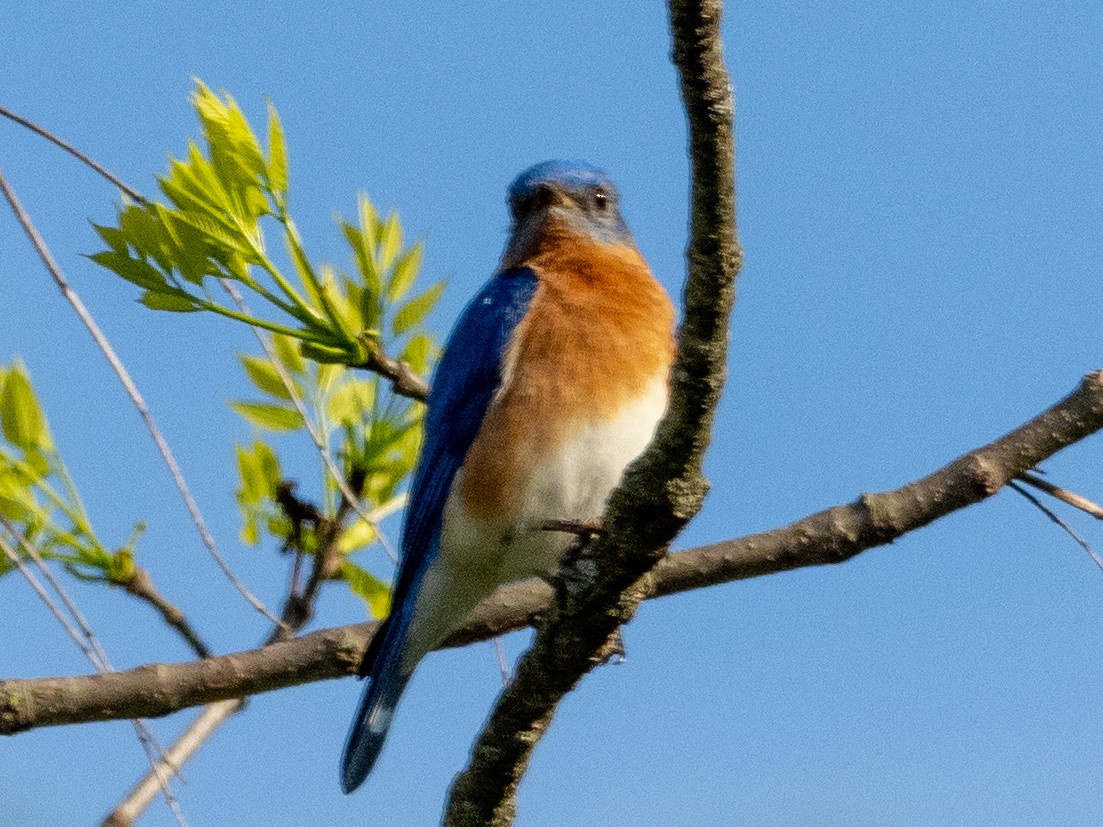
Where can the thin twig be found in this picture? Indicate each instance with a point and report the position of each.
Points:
(82, 643)
(100, 660)
(130, 192)
(503, 665)
(131, 391)
(1064, 526)
(88, 644)
(141, 586)
(1063, 494)
(297, 610)
(142, 794)
(403, 379)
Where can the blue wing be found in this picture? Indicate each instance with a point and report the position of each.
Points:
(466, 379)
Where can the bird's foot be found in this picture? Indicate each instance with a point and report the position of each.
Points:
(613, 650)
(584, 530)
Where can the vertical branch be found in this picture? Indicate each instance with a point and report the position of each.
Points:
(664, 489)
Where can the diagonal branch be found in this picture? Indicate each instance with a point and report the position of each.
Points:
(664, 489)
(830, 536)
(298, 609)
(403, 380)
(1065, 527)
(1064, 495)
(128, 191)
(131, 391)
(82, 634)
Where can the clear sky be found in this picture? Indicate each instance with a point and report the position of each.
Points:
(920, 201)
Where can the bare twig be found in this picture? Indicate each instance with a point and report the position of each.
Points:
(86, 641)
(131, 391)
(403, 379)
(141, 585)
(83, 635)
(1061, 523)
(503, 665)
(1063, 494)
(297, 611)
(130, 192)
(197, 734)
(83, 643)
(827, 537)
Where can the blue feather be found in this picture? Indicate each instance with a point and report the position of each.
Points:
(466, 379)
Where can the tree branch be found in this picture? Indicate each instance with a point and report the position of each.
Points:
(298, 608)
(404, 381)
(830, 536)
(601, 588)
(140, 585)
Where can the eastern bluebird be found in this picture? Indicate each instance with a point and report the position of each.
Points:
(551, 383)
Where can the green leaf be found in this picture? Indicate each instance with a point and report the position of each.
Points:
(16, 499)
(277, 153)
(325, 354)
(134, 270)
(360, 251)
(112, 237)
(287, 351)
(233, 240)
(356, 536)
(234, 148)
(270, 417)
(351, 401)
(247, 470)
(405, 271)
(416, 309)
(265, 376)
(419, 353)
(259, 472)
(250, 532)
(369, 220)
(328, 374)
(368, 587)
(177, 302)
(269, 465)
(343, 312)
(142, 229)
(24, 425)
(37, 463)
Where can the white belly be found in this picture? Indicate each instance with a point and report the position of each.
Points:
(573, 483)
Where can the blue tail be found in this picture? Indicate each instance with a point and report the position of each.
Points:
(386, 680)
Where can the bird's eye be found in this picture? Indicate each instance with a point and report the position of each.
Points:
(601, 200)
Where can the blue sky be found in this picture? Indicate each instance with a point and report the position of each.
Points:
(920, 203)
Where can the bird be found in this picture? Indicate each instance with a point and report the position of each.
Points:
(552, 381)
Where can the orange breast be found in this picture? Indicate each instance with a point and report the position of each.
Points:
(599, 332)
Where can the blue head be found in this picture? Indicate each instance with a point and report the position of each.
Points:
(576, 193)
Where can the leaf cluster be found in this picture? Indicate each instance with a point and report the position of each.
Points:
(211, 225)
(39, 502)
